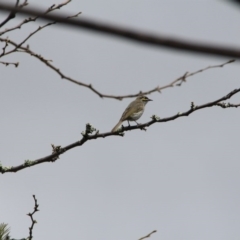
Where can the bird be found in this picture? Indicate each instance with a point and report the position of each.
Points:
(133, 112)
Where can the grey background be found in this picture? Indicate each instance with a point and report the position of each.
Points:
(180, 178)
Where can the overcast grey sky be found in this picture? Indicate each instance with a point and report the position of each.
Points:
(180, 178)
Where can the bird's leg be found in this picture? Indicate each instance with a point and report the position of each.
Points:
(136, 122)
(142, 128)
(129, 124)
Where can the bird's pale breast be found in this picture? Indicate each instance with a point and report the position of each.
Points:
(135, 116)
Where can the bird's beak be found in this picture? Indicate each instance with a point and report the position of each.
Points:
(149, 100)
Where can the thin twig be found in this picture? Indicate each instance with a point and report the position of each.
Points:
(149, 235)
(10, 16)
(4, 48)
(32, 19)
(87, 134)
(32, 219)
(131, 34)
(180, 80)
(34, 32)
(10, 63)
(24, 4)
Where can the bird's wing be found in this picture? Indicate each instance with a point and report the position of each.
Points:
(132, 109)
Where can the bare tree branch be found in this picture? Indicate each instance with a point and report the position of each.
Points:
(13, 14)
(227, 105)
(10, 63)
(31, 217)
(149, 235)
(88, 135)
(180, 80)
(131, 34)
(32, 19)
(10, 16)
(5, 47)
(34, 32)
(176, 82)
(18, 47)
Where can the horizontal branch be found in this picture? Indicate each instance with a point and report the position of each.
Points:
(227, 105)
(176, 82)
(10, 63)
(88, 135)
(131, 34)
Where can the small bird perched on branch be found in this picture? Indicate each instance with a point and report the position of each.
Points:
(133, 112)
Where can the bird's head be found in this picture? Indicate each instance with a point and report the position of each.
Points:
(144, 99)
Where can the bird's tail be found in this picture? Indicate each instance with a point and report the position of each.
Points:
(117, 126)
